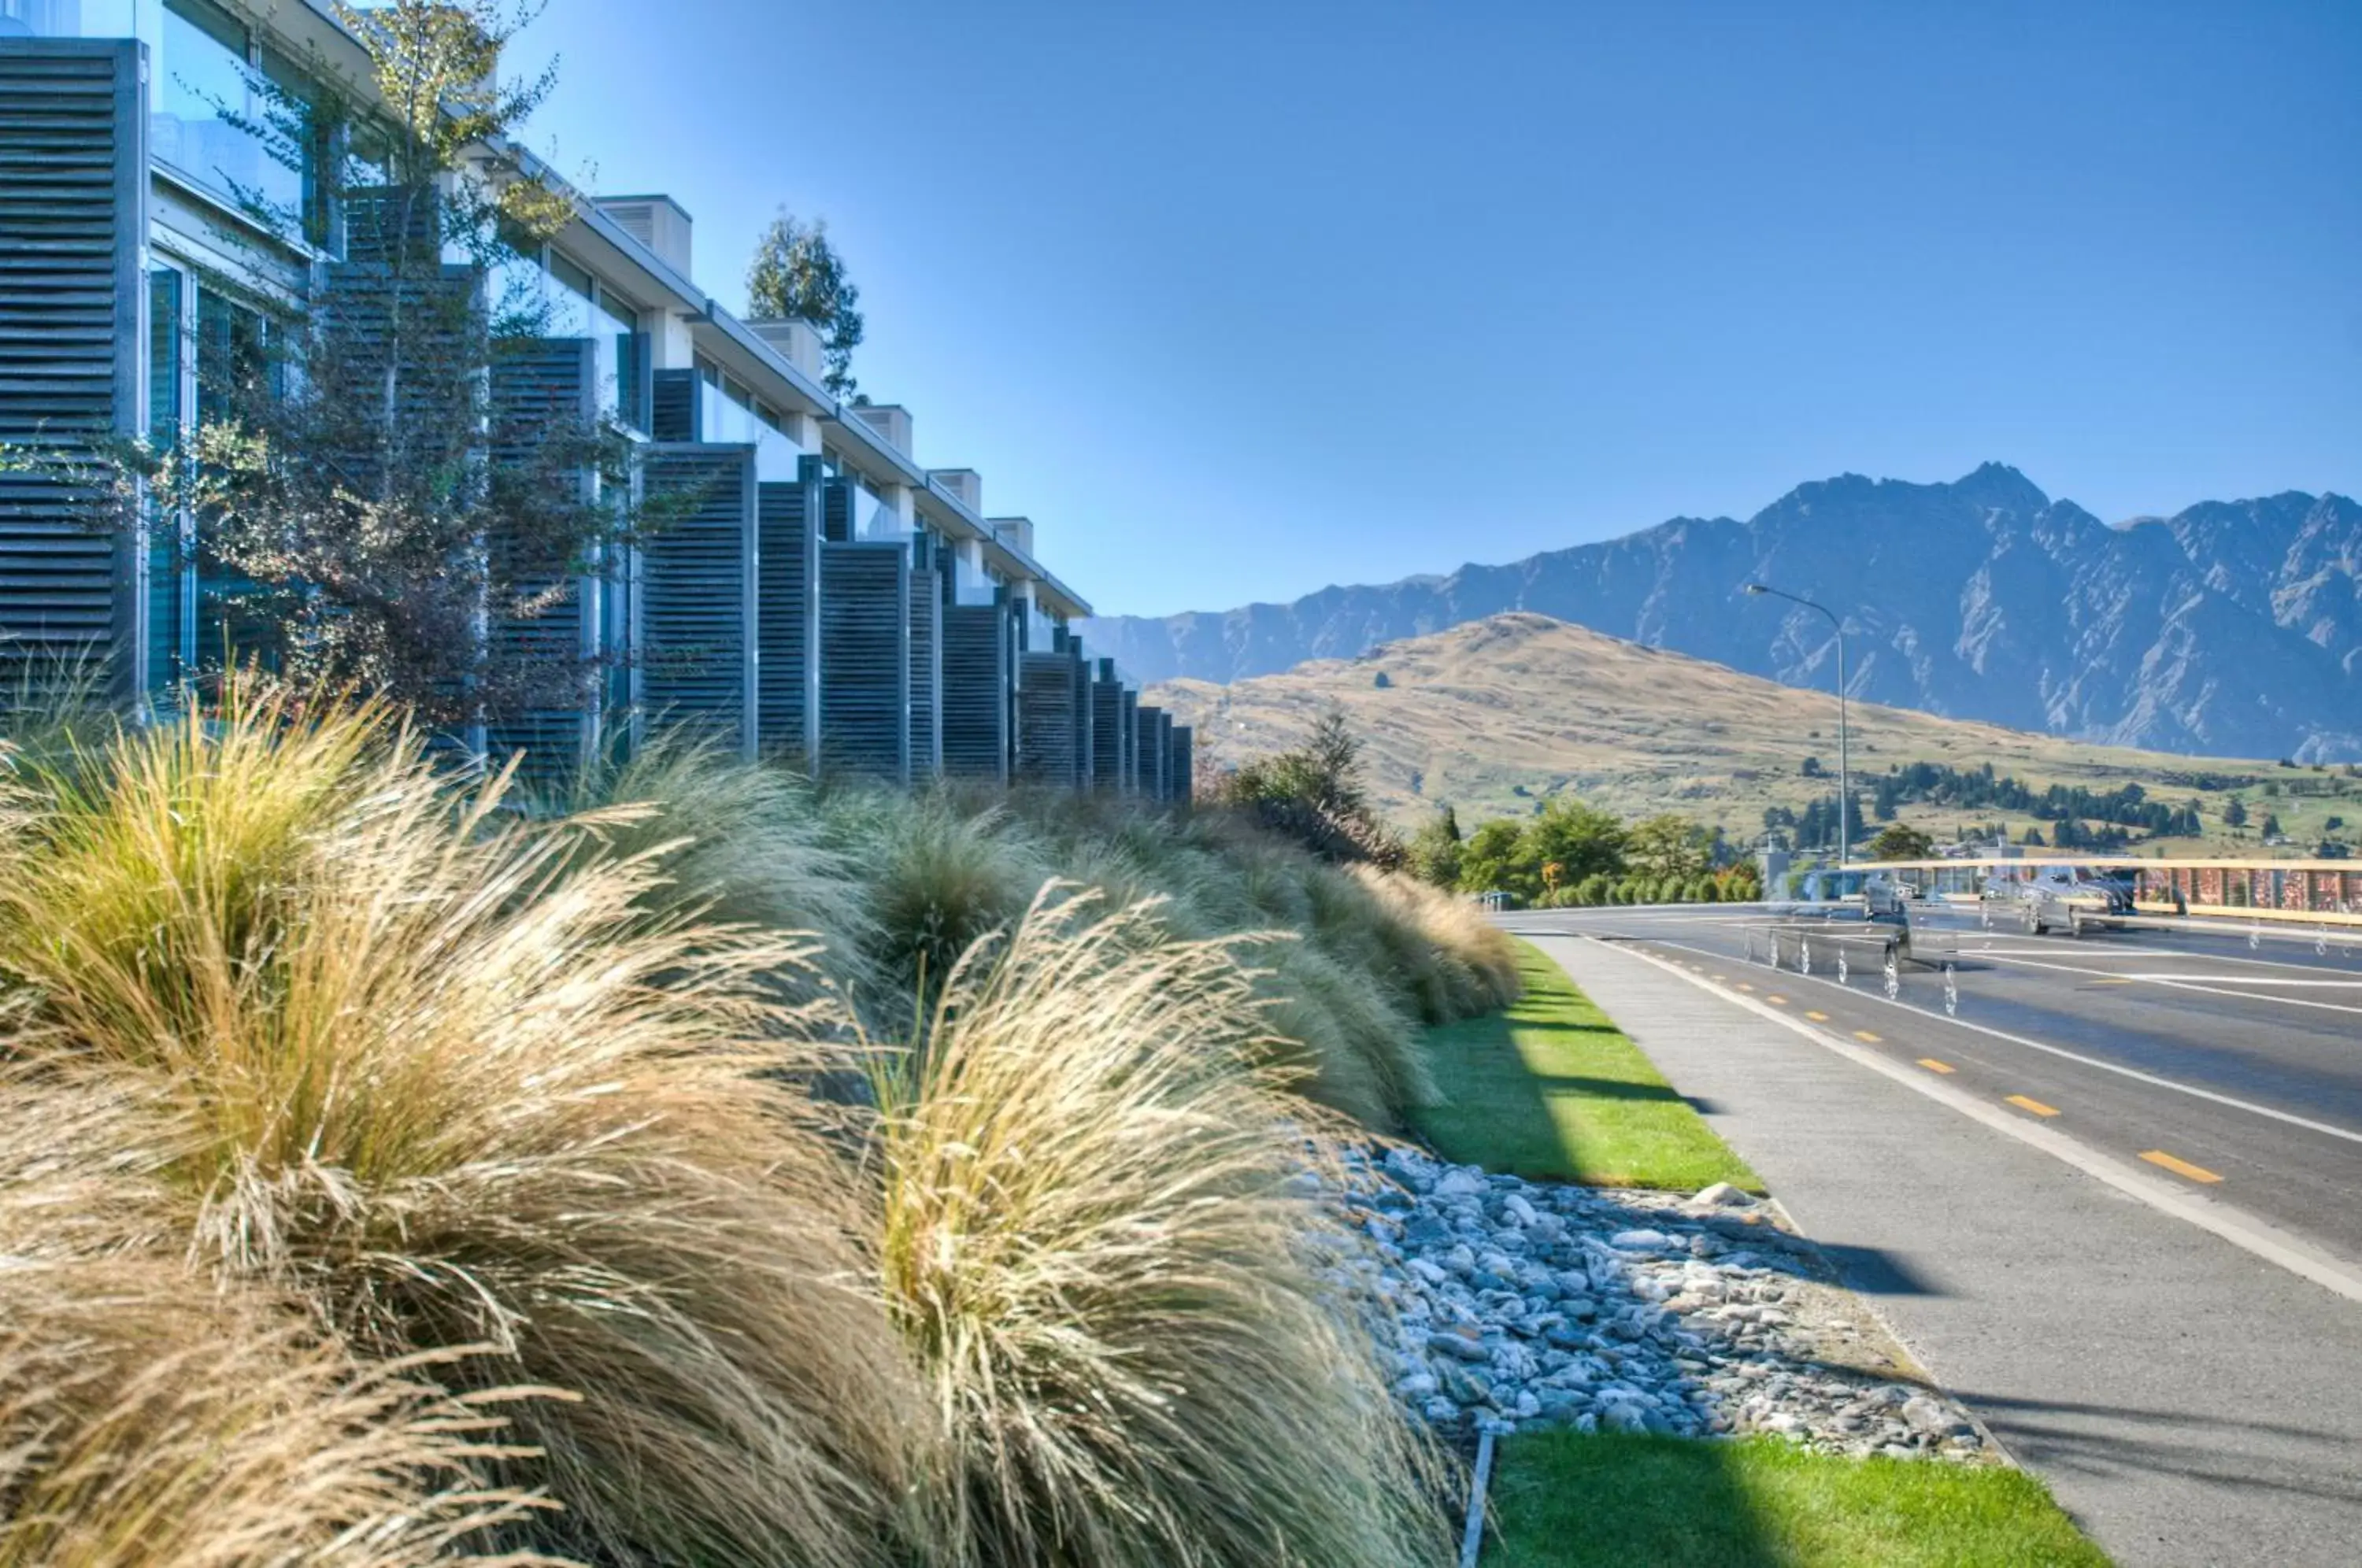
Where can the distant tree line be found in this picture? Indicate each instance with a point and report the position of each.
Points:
(1572, 855)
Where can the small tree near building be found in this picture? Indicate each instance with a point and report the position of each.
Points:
(797, 275)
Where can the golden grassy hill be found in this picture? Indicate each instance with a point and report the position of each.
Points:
(1497, 715)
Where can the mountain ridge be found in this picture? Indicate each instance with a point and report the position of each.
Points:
(1497, 715)
(2229, 627)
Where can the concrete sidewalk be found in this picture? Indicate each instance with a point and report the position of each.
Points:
(2188, 1402)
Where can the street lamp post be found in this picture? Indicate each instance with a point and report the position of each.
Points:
(1845, 767)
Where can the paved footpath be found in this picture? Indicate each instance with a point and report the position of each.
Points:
(2189, 1402)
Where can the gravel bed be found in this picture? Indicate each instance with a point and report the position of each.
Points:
(1509, 1304)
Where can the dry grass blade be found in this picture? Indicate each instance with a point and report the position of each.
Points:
(1096, 1234)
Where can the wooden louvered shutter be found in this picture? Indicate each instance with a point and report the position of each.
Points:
(73, 183)
(788, 618)
(547, 384)
(974, 692)
(865, 658)
(698, 574)
(926, 673)
(673, 414)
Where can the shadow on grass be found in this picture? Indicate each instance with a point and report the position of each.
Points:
(1568, 1501)
(1551, 1089)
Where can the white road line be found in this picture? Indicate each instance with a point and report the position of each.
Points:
(2240, 1228)
(2177, 984)
(2347, 1133)
(2244, 980)
(2094, 953)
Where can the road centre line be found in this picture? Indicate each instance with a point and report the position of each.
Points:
(1933, 1065)
(1868, 1038)
(2191, 1089)
(2181, 1167)
(2036, 1106)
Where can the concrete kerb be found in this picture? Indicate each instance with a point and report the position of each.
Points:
(2236, 1226)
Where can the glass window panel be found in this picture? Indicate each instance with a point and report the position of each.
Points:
(77, 18)
(165, 621)
(199, 78)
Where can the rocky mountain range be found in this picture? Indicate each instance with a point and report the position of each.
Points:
(2231, 628)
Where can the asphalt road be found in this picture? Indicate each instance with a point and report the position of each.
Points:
(2190, 1400)
(2231, 1060)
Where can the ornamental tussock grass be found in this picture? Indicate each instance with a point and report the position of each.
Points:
(1471, 965)
(937, 878)
(1097, 1228)
(449, 1083)
(742, 841)
(148, 1420)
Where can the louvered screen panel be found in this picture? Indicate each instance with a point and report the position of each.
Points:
(1131, 775)
(1151, 752)
(975, 692)
(788, 621)
(673, 416)
(926, 674)
(73, 180)
(1185, 764)
(865, 658)
(1106, 726)
(836, 511)
(697, 590)
(1079, 675)
(384, 224)
(540, 389)
(1045, 718)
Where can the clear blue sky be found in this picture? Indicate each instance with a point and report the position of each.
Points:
(1238, 300)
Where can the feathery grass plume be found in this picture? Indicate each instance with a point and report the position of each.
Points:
(452, 1083)
(1362, 1050)
(1484, 958)
(151, 1420)
(938, 878)
(743, 842)
(1097, 1235)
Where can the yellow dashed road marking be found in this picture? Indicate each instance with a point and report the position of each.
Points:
(1934, 1065)
(2181, 1167)
(1867, 1037)
(1817, 1017)
(1776, 1001)
(1745, 987)
(1723, 978)
(2112, 980)
(2035, 1106)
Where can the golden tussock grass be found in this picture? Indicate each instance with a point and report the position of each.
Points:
(1096, 1236)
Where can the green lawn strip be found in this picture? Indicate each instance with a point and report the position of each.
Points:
(1549, 1089)
(1566, 1500)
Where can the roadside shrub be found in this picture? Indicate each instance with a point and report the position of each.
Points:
(451, 1085)
(1594, 889)
(1096, 1240)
